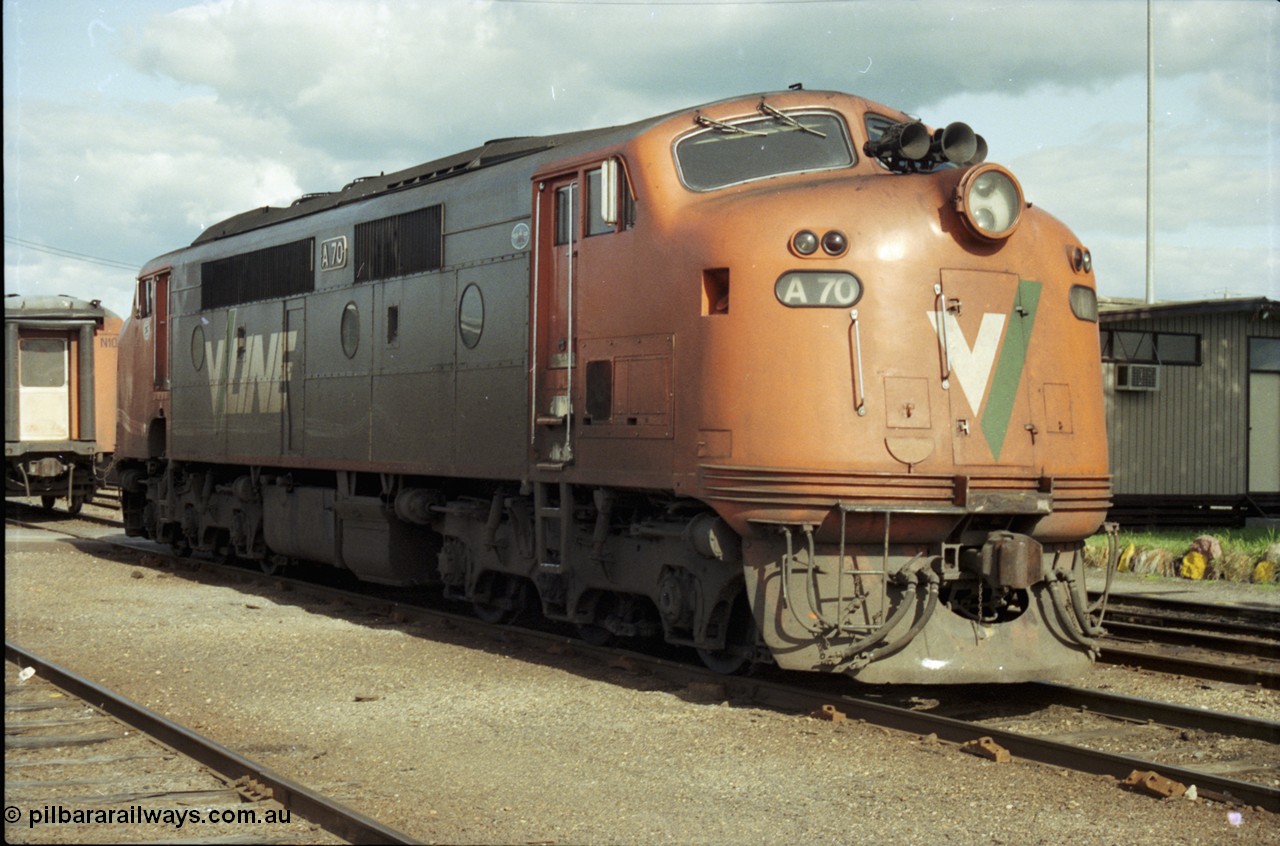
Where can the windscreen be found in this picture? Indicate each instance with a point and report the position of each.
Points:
(728, 153)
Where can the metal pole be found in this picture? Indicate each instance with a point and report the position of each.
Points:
(1151, 153)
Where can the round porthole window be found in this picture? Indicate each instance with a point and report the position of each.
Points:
(197, 348)
(471, 316)
(350, 330)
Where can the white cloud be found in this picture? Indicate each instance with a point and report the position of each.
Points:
(232, 104)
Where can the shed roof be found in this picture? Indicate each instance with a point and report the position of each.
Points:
(1114, 309)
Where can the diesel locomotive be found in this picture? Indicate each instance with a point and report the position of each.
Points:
(60, 397)
(787, 378)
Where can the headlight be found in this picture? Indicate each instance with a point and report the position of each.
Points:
(989, 201)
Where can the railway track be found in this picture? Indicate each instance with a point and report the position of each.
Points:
(1239, 645)
(1226, 757)
(242, 792)
(1235, 645)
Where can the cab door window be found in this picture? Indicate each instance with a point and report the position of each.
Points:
(567, 213)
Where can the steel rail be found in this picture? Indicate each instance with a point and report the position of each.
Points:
(1234, 644)
(1139, 710)
(1262, 621)
(788, 696)
(332, 816)
(1191, 667)
(1028, 747)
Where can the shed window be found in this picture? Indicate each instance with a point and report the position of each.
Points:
(1264, 355)
(1134, 346)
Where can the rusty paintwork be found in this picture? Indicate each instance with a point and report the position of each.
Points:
(661, 415)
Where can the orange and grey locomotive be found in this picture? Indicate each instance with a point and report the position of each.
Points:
(60, 397)
(784, 378)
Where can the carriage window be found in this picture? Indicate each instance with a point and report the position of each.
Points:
(42, 362)
(724, 154)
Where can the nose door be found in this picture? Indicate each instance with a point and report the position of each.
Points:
(985, 332)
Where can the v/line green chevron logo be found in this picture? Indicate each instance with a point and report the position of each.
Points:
(989, 369)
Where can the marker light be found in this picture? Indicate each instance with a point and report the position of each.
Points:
(804, 243)
(834, 243)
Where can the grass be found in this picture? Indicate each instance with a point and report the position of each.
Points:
(1162, 552)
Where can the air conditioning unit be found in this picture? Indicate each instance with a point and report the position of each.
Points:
(1138, 377)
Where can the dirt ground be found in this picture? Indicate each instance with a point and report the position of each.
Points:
(457, 741)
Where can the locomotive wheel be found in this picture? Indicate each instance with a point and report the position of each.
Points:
(595, 635)
(74, 506)
(507, 598)
(738, 655)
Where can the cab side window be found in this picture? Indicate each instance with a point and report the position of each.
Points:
(144, 297)
(596, 223)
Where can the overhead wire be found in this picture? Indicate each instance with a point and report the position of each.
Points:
(62, 252)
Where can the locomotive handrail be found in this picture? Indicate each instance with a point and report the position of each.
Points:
(861, 407)
(940, 305)
(567, 454)
(533, 319)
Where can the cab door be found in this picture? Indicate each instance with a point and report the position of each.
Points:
(558, 212)
(154, 307)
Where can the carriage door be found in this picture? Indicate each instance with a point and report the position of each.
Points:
(557, 234)
(44, 402)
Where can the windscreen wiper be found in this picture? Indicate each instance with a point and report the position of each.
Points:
(724, 127)
(788, 119)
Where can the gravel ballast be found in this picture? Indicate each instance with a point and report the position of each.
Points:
(454, 739)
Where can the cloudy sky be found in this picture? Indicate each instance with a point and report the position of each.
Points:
(130, 125)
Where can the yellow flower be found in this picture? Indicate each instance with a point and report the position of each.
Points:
(1193, 566)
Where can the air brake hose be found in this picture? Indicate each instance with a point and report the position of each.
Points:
(853, 652)
(1113, 564)
(931, 605)
(1082, 634)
